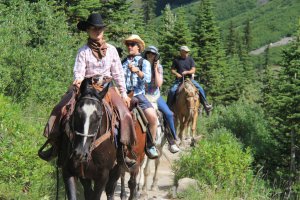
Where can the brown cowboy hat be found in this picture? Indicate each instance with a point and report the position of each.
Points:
(94, 19)
(137, 39)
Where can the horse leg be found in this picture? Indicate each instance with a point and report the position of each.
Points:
(70, 185)
(132, 185)
(87, 187)
(154, 186)
(100, 183)
(123, 192)
(194, 126)
(114, 175)
(146, 174)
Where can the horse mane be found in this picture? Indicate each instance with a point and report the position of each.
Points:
(88, 87)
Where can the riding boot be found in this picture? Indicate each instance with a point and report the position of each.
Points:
(207, 107)
(128, 161)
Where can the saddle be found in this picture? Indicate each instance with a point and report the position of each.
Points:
(188, 86)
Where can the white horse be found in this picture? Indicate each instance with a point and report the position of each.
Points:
(163, 135)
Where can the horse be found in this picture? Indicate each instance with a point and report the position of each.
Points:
(88, 151)
(137, 152)
(162, 136)
(186, 108)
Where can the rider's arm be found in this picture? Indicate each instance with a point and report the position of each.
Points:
(158, 70)
(192, 71)
(174, 71)
(80, 65)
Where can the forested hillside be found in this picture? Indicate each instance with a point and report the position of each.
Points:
(250, 142)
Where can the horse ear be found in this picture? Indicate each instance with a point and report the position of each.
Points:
(84, 84)
(104, 91)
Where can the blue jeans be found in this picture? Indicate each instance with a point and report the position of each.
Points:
(164, 108)
(175, 86)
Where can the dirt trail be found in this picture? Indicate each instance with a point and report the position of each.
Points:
(165, 179)
(281, 42)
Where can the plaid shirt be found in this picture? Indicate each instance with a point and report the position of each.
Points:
(86, 65)
(133, 82)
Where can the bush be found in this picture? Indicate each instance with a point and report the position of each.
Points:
(248, 123)
(219, 162)
(23, 174)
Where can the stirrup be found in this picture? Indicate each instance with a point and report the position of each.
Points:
(48, 154)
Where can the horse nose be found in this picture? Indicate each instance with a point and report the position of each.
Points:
(81, 154)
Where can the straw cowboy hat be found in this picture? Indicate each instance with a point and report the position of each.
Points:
(137, 39)
(94, 19)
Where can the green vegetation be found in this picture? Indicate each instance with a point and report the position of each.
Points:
(23, 174)
(250, 146)
(219, 164)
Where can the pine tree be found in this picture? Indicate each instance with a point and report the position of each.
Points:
(231, 41)
(207, 41)
(148, 7)
(247, 36)
(121, 20)
(175, 34)
(284, 112)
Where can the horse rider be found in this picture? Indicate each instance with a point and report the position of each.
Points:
(138, 72)
(184, 66)
(95, 59)
(153, 92)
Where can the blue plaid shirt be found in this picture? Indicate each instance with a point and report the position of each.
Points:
(132, 81)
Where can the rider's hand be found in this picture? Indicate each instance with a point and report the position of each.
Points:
(132, 68)
(126, 101)
(156, 64)
(178, 75)
(185, 73)
(77, 83)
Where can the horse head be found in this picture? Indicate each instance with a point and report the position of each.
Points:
(87, 117)
(191, 96)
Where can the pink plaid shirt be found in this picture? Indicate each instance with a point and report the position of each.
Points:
(86, 65)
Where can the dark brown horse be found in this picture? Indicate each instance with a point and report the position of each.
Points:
(186, 107)
(88, 152)
(138, 153)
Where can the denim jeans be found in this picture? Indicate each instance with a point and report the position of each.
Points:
(175, 86)
(164, 108)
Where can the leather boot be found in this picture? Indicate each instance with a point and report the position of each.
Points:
(128, 161)
(207, 107)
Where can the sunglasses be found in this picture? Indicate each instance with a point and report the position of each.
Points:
(132, 44)
(93, 28)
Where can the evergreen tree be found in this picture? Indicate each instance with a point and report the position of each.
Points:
(247, 36)
(148, 7)
(121, 20)
(207, 41)
(174, 36)
(284, 112)
(231, 41)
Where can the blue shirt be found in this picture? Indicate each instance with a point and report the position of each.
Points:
(132, 81)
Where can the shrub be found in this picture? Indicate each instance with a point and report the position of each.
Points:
(23, 174)
(219, 162)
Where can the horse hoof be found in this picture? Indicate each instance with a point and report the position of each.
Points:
(154, 188)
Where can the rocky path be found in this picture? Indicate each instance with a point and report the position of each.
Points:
(165, 179)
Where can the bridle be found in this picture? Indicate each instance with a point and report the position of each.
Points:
(94, 135)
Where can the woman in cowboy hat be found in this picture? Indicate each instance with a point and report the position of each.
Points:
(95, 59)
(138, 72)
(153, 92)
